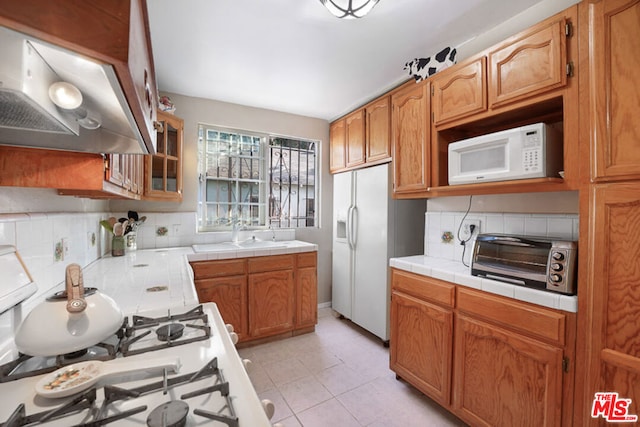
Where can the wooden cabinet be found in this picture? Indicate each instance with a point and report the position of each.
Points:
(116, 33)
(163, 170)
(271, 295)
(72, 173)
(378, 130)
(225, 283)
(337, 146)
(459, 91)
(230, 295)
(508, 363)
(410, 125)
(306, 290)
(262, 296)
(361, 138)
(421, 347)
(355, 138)
(505, 379)
(529, 63)
(611, 298)
(611, 42)
(504, 363)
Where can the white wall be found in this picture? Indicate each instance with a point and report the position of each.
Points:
(199, 110)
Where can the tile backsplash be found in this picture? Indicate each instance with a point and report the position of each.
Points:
(48, 242)
(438, 225)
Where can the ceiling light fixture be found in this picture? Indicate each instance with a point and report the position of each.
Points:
(349, 9)
(65, 95)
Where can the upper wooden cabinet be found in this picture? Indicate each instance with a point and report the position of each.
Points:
(529, 63)
(163, 170)
(355, 138)
(410, 126)
(113, 32)
(611, 40)
(378, 134)
(459, 91)
(337, 148)
(362, 138)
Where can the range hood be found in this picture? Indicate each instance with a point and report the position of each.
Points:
(29, 118)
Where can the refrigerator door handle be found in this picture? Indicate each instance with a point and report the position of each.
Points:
(349, 226)
(354, 226)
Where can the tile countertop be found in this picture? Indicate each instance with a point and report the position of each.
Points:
(456, 272)
(227, 250)
(149, 279)
(146, 279)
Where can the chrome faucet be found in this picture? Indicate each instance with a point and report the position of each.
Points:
(235, 228)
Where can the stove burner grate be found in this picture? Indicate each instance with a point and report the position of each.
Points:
(86, 401)
(141, 322)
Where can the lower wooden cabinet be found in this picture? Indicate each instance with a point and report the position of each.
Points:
(262, 296)
(306, 290)
(502, 378)
(271, 303)
(420, 345)
(230, 294)
(504, 363)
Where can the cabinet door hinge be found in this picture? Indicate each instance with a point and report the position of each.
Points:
(433, 117)
(565, 364)
(432, 91)
(570, 69)
(568, 29)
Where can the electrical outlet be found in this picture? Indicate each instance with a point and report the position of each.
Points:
(465, 232)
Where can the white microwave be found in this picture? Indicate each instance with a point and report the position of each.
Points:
(531, 151)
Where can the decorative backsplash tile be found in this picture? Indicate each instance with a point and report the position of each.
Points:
(437, 242)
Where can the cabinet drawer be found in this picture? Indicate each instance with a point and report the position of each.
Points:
(270, 263)
(425, 288)
(522, 317)
(228, 267)
(307, 259)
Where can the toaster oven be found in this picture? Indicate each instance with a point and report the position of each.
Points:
(536, 262)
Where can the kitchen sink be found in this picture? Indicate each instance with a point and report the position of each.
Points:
(235, 246)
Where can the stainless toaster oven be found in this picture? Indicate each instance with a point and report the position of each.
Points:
(537, 262)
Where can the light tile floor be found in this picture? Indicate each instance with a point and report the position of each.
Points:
(338, 376)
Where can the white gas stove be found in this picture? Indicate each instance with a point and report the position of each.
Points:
(211, 387)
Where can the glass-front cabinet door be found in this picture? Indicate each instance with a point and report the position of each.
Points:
(164, 169)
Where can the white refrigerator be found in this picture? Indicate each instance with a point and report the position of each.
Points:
(369, 227)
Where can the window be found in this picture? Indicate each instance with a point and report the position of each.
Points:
(255, 180)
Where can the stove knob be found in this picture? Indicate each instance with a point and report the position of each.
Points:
(269, 408)
(246, 363)
(234, 338)
(229, 327)
(556, 266)
(556, 278)
(558, 256)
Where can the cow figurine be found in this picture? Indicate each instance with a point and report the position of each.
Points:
(421, 68)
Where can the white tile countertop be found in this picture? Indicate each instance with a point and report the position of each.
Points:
(149, 279)
(146, 279)
(249, 248)
(456, 272)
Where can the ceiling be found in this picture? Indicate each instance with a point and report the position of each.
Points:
(294, 56)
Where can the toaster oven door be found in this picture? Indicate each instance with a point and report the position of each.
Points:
(513, 259)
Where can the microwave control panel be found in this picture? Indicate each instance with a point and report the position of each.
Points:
(532, 151)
